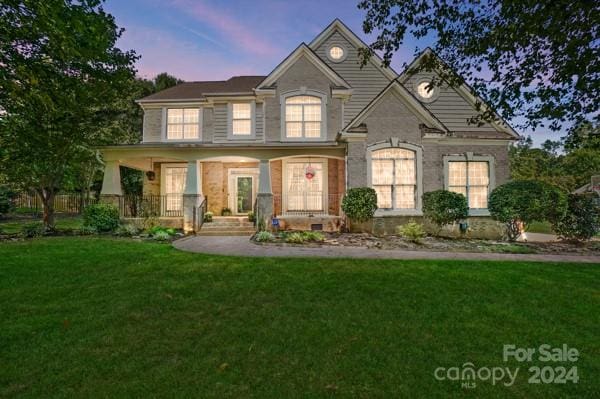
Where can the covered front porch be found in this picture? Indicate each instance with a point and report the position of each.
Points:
(286, 188)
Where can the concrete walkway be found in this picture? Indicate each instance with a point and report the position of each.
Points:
(241, 246)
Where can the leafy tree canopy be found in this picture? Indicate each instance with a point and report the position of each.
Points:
(536, 59)
(61, 82)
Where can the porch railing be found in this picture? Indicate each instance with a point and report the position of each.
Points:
(199, 212)
(317, 207)
(132, 206)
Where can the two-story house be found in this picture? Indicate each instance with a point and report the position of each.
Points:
(290, 143)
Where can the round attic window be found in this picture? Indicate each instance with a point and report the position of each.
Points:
(426, 93)
(336, 54)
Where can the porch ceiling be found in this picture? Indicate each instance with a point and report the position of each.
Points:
(138, 156)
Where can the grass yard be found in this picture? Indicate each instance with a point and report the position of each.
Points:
(63, 222)
(103, 317)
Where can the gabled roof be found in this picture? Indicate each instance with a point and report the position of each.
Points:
(407, 98)
(338, 25)
(464, 90)
(303, 51)
(199, 90)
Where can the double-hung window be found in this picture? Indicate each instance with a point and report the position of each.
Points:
(241, 119)
(472, 179)
(183, 124)
(303, 117)
(394, 178)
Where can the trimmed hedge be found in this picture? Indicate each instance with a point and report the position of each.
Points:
(360, 203)
(582, 219)
(101, 217)
(444, 207)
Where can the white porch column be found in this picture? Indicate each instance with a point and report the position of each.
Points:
(192, 196)
(111, 184)
(264, 197)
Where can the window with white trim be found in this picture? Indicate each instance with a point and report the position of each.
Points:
(183, 123)
(472, 179)
(394, 178)
(304, 194)
(241, 119)
(303, 117)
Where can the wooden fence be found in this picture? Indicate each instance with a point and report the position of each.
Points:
(73, 203)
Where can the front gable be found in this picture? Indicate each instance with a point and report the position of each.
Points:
(453, 106)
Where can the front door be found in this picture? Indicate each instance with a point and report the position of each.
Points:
(244, 187)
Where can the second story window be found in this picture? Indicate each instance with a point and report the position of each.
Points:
(303, 117)
(183, 124)
(241, 119)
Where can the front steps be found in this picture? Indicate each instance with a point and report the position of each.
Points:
(227, 226)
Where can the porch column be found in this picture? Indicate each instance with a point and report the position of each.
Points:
(111, 183)
(264, 197)
(192, 196)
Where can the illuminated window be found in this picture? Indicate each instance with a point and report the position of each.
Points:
(424, 90)
(472, 179)
(303, 117)
(394, 178)
(336, 53)
(183, 123)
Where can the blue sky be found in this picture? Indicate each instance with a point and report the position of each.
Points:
(214, 40)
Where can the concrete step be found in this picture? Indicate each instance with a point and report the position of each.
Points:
(225, 233)
(228, 228)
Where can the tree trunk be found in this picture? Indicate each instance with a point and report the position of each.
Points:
(47, 196)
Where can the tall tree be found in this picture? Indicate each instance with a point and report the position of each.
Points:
(60, 80)
(538, 59)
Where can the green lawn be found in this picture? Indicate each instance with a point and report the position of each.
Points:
(101, 317)
(63, 222)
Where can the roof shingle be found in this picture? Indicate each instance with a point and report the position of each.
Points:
(198, 90)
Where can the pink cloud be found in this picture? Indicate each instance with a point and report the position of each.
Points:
(234, 31)
(163, 52)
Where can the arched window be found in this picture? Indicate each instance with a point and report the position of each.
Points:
(303, 117)
(394, 178)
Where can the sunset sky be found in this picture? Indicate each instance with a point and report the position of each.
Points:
(214, 40)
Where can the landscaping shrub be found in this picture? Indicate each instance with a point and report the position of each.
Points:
(360, 203)
(412, 231)
(102, 217)
(251, 216)
(581, 221)
(264, 236)
(6, 200)
(161, 236)
(128, 230)
(87, 230)
(444, 207)
(208, 217)
(295, 238)
(33, 229)
(315, 236)
(225, 212)
(160, 229)
(524, 201)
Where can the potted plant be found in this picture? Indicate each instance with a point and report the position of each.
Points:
(226, 212)
(251, 216)
(208, 217)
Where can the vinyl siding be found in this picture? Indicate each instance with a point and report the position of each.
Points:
(450, 107)
(152, 125)
(366, 82)
(221, 120)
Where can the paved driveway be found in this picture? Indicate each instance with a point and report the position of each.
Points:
(241, 246)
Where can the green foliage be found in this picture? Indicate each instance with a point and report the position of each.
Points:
(102, 217)
(264, 236)
(132, 181)
(582, 219)
(412, 231)
(360, 203)
(6, 197)
(251, 216)
(521, 202)
(261, 225)
(61, 80)
(225, 212)
(208, 217)
(33, 229)
(160, 229)
(444, 207)
(545, 43)
(315, 236)
(161, 236)
(87, 230)
(295, 238)
(128, 230)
